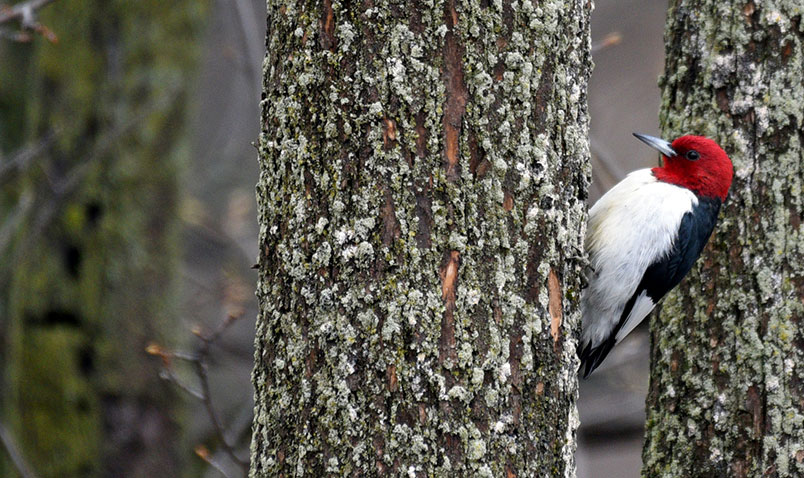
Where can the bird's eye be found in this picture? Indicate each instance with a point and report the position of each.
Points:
(692, 155)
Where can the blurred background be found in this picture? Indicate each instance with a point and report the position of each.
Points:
(126, 133)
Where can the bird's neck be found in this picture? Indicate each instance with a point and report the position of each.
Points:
(701, 182)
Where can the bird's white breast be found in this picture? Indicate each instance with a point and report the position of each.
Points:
(632, 226)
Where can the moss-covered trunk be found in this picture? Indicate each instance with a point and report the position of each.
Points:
(727, 378)
(89, 234)
(424, 167)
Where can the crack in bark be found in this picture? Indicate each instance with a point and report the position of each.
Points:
(424, 213)
(421, 135)
(554, 304)
(508, 201)
(478, 164)
(391, 227)
(328, 40)
(449, 278)
(455, 91)
(393, 381)
(388, 133)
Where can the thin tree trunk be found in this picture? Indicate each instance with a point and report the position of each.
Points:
(423, 175)
(727, 381)
(89, 263)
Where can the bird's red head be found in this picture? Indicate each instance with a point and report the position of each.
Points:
(694, 162)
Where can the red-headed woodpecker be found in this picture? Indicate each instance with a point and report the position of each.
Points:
(644, 236)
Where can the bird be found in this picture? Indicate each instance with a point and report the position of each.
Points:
(644, 235)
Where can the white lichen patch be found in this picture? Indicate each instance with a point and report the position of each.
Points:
(477, 449)
(459, 393)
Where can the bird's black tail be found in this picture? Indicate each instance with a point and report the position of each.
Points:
(591, 358)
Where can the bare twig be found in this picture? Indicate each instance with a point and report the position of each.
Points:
(250, 36)
(613, 38)
(25, 13)
(14, 453)
(47, 204)
(21, 159)
(170, 376)
(204, 454)
(202, 370)
(15, 217)
(199, 360)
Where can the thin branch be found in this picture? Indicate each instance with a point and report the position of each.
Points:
(21, 159)
(14, 453)
(250, 35)
(14, 219)
(47, 204)
(612, 39)
(25, 12)
(202, 370)
(184, 356)
(200, 364)
(204, 454)
(208, 340)
(168, 375)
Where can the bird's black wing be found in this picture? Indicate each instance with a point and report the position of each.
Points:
(661, 276)
(696, 227)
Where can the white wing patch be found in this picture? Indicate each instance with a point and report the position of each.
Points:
(642, 307)
(632, 226)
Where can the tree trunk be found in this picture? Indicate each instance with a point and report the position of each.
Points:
(727, 385)
(89, 233)
(423, 175)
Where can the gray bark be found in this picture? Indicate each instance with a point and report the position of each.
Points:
(727, 385)
(423, 174)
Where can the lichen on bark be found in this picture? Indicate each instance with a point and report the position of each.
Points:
(726, 395)
(424, 167)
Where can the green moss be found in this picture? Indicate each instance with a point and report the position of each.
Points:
(64, 416)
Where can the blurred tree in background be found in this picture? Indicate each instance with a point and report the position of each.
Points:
(727, 383)
(92, 130)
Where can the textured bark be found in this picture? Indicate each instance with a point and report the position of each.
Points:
(424, 167)
(727, 384)
(88, 269)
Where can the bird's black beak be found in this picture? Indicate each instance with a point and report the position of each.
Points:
(658, 144)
